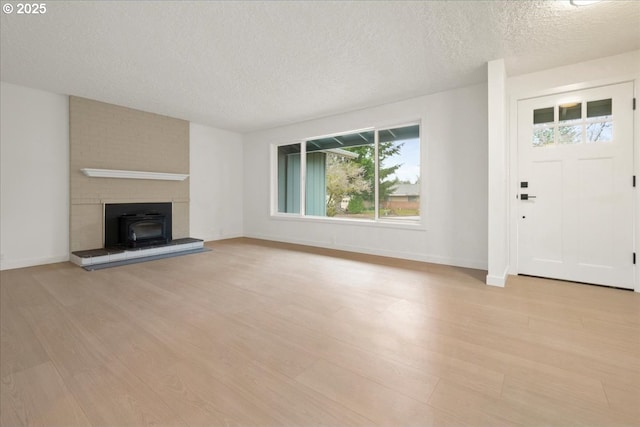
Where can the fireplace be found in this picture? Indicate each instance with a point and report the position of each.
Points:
(137, 225)
(140, 230)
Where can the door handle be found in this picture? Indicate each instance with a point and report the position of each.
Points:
(526, 197)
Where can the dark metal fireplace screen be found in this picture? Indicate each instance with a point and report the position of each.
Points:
(137, 225)
(143, 230)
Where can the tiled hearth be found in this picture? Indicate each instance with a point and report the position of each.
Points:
(107, 255)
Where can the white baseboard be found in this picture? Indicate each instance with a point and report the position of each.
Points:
(434, 259)
(212, 238)
(31, 262)
(500, 281)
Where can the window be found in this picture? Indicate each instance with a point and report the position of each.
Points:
(599, 121)
(573, 123)
(367, 175)
(289, 178)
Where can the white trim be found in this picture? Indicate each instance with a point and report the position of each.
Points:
(383, 223)
(376, 173)
(340, 152)
(303, 178)
(528, 92)
(499, 281)
(411, 256)
(348, 132)
(273, 180)
(498, 173)
(580, 3)
(636, 171)
(224, 236)
(32, 262)
(114, 173)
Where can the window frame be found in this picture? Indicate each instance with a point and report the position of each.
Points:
(377, 221)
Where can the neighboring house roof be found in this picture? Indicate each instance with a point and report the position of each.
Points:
(406, 190)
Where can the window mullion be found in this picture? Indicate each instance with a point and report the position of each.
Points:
(376, 208)
(303, 177)
(584, 121)
(556, 121)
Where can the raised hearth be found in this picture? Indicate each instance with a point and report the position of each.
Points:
(109, 255)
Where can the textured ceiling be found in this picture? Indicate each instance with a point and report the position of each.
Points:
(246, 66)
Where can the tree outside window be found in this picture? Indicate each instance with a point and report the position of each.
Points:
(344, 175)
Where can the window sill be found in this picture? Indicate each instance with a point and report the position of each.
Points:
(389, 223)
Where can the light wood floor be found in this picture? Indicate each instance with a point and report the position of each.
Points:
(257, 333)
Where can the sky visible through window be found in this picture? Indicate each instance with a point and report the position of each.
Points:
(409, 157)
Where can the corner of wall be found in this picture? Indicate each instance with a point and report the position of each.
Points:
(34, 176)
(497, 176)
(216, 183)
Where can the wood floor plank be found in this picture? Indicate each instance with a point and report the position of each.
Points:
(197, 398)
(106, 390)
(410, 315)
(246, 368)
(200, 399)
(624, 398)
(262, 333)
(618, 332)
(515, 339)
(291, 403)
(37, 396)
(402, 378)
(479, 409)
(620, 306)
(111, 395)
(114, 329)
(364, 396)
(209, 330)
(19, 347)
(569, 411)
(222, 297)
(587, 339)
(426, 358)
(559, 385)
(64, 284)
(274, 393)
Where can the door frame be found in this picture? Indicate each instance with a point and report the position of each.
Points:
(512, 167)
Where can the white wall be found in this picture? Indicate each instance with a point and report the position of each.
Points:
(34, 180)
(34, 216)
(603, 71)
(454, 177)
(623, 67)
(216, 178)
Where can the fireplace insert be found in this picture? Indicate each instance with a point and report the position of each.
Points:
(140, 230)
(137, 225)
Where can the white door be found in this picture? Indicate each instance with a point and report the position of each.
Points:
(575, 168)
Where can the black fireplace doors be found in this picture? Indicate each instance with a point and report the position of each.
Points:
(137, 225)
